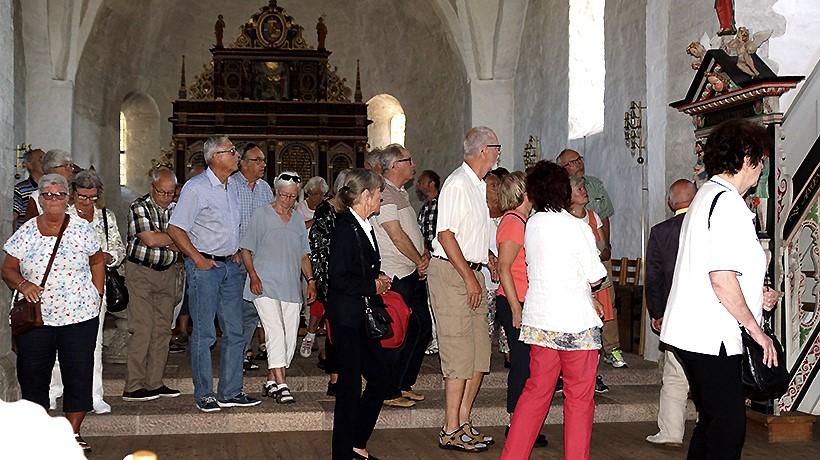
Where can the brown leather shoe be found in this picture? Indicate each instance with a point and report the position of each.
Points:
(412, 395)
(401, 401)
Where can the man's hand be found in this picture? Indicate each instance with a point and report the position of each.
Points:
(474, 291)
(423, 264)
(770, 298)
(256, 286)
(202, 263)
(311, 291)
(657, 324)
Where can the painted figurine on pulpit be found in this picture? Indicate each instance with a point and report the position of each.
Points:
(725, 10)
(745, 47)
(219, 29)
(321, 33)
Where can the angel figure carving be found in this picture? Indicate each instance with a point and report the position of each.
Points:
(745, 47)
(697, 51)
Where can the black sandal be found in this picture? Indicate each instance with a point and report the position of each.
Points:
(283, 395)
(81, 442)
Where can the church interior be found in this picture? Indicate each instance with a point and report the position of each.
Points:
(635, 86)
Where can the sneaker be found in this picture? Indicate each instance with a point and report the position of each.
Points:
(401, 401)
(307, 345)
(249, 365)
(615, 358)
(208, 404)
(331, 389)
(101, 407)
(165, 392)
(559, 385)
(240, 400)
(412, 395)
(600, 386)
(176, 346)
(459, 440)
(139, 395)
(660, 440)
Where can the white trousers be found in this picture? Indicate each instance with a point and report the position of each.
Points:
(55, 390)
(672, 411)
(281, 322)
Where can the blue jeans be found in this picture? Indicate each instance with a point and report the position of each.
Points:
(216, 292)
(250, 318)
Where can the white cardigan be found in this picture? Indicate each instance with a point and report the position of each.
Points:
(562, 261)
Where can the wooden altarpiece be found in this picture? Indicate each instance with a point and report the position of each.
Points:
(269, 87)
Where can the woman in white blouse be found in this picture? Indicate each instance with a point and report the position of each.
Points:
(718, 284)
(86, 193)
(560, 321)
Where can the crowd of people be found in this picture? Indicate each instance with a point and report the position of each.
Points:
(527, 251)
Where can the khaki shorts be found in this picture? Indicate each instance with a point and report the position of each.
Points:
(463, 341)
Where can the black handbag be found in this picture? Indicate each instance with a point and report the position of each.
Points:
(25, 315)
(760, 381)
(376, 320)
(116, 293)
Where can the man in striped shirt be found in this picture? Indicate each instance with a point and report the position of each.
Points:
(33, 162)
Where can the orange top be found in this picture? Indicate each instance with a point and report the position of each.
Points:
(511, 228)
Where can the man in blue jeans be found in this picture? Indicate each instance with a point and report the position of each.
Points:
(205, 227)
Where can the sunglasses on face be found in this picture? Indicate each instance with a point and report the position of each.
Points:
(54, 195)
(288, 177)
(82, 197)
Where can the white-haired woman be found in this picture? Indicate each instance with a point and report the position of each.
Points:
(70, 300)
(275, 251)
(54, 162)
(86, 191)
(315, 190)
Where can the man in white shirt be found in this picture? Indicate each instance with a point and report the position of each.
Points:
(457, 287)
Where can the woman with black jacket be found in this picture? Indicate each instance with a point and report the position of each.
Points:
(354, 274)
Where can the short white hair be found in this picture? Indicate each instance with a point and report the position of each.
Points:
(55, 158)
(476, 139)
(211, 146)
(314, 183)
(157, 173)
(390, 155)
(52, 179)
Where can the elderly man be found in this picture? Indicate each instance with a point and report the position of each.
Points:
(661, 255)
(205, 227)
(253, 193)
(151, 252)
(599, 201)
(404, 260)
(457, 287)
(33, 162)
(427, 186)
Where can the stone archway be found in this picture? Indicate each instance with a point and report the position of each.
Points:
(389, 121)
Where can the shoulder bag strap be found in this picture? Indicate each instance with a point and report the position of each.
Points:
(54, 251)
(105, 225)
(712, 208)
(515, 214)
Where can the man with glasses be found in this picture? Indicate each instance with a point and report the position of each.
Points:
(205, 227)
(599, 202)
(457, 290)
(405, 261)
(253, 193)
(152, 289)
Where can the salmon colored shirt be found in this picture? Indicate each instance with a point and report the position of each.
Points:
(511, 228)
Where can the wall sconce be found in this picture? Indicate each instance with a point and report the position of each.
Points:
(532, 151)
(633, 130)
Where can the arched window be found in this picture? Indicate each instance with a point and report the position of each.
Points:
(388, 119)
(587, 68)
(139, 140)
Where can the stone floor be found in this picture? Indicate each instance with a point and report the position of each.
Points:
(610, 441)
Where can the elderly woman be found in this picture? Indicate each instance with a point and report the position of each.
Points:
(86, 191)
(54, 162)
(512, 271)
(315, 190)
(559, 321)
(275, 251)
(709, 297)
(70, 300)
(355, 281)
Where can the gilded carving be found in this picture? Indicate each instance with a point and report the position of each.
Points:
(203, 87)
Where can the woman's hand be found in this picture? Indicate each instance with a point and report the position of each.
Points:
(311, 291)
(256, 286)
(108, 258)
(599, 308)
(383, 283)
(516, 315)
(769, 352)
(31, 291)
(770, 298)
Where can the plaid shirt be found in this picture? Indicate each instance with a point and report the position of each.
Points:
(250, 199)
(148, 216)
(427, 221)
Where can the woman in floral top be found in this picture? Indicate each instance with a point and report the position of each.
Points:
(559, 320)
(70, 302)
(86, 193)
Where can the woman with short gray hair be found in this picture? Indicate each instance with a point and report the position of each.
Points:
(314, 192)
(54, 162)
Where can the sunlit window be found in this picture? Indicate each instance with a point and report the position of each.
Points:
(586, 68)
(389, 121)
(397, 128)
(123, 166)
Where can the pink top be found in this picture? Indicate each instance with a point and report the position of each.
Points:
(511, 228)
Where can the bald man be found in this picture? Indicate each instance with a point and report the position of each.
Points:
(661, 254)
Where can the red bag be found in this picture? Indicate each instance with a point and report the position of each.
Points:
(400, 314)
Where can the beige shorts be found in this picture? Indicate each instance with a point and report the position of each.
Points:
(463, 341)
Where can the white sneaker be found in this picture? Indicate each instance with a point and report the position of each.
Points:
(101, 407)
(307, 345)
(660, 439)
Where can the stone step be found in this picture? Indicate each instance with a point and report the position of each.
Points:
(313, 411)
(304, 376)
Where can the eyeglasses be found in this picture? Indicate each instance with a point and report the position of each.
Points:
(575, 162)
(231, 150)
(54, 195)
(408, 159)
(288, 177)
(257, 160)
(82, 197)
(287, 195)
(64, 165)
(162, 193)
(497, 146)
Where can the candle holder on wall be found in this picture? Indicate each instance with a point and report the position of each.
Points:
(633, 131)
